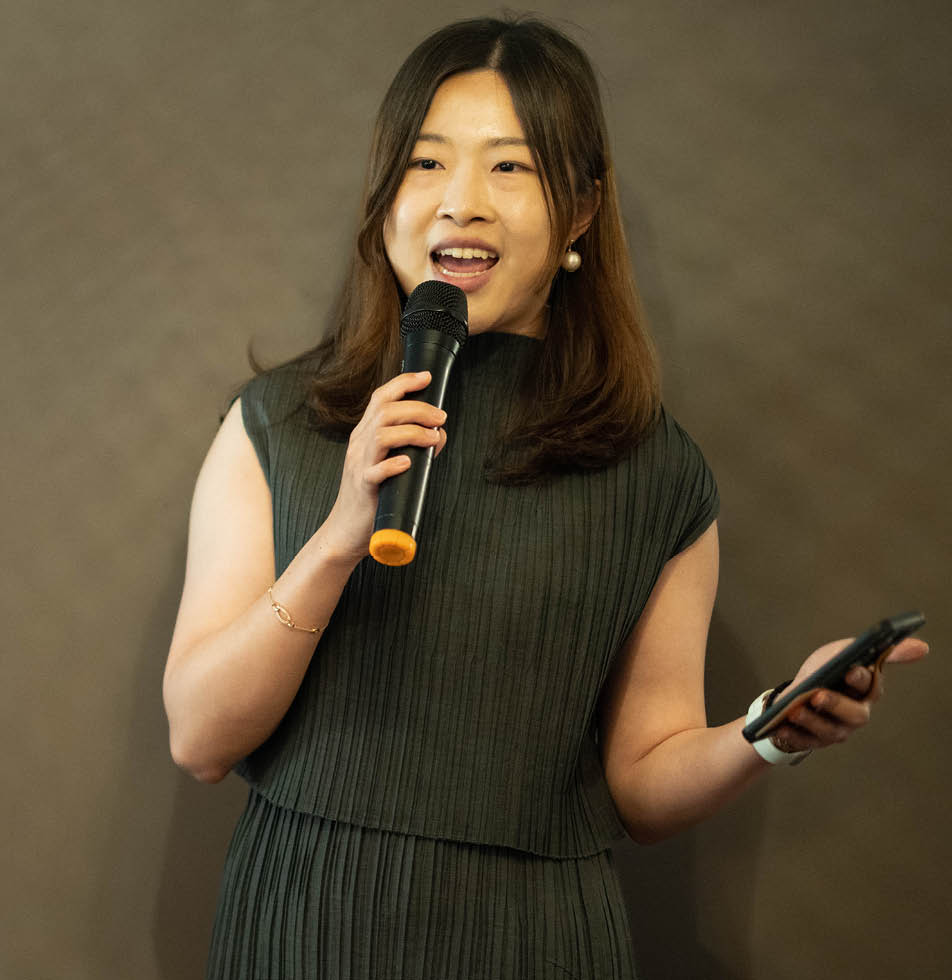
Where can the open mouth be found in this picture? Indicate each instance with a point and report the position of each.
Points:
(463, 263)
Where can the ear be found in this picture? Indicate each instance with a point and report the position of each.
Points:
(585, 212)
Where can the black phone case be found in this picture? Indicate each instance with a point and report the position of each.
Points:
(870, 649)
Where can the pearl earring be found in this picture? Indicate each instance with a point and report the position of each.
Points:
(571, 260)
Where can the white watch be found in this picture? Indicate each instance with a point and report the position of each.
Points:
(764, 747)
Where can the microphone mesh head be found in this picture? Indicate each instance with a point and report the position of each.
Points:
(436, 305)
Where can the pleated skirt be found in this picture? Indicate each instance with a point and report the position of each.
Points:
(306, 898)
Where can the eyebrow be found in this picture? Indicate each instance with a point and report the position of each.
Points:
(499, 141)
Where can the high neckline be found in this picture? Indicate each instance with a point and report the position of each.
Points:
(497, 355)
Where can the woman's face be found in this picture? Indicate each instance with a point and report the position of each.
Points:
(471, 210)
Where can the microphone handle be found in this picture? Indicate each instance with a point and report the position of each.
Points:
(400, 503)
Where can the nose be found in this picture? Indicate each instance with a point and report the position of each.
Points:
(465, 196)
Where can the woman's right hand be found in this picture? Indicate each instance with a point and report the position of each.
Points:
(390, 420)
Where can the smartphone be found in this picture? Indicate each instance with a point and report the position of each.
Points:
(870, 649)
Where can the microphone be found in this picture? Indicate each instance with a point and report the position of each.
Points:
(434, 328)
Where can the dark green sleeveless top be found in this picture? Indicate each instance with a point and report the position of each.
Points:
(455, 697)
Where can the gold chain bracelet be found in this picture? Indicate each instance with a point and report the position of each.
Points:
(285, 618)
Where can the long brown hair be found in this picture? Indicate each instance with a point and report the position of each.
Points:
(593, 389)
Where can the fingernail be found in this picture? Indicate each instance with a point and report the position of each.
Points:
(443, 417)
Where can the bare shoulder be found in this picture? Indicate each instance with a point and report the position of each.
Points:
(656, 687)
(230, 537)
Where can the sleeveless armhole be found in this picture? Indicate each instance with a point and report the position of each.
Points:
(255, 420)
(699, 501)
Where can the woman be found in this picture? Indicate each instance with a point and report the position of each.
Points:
(440, 755)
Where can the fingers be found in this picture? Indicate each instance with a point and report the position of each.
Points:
(411, 435)
(400, 386)
(410, 413)
(394, 436)
(386, 468)
(830, 711)
(860, 681)
(389, 403)
(406, 412)
(823, 729)
(841, 708)
(392, 418)
(828, 717)
(792, 738)
(391, 422)
(807, 729)
(380, 466)
(908, 650)
(441, 433)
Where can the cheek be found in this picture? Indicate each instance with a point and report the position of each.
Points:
(404, 234)
(396, 246)
(391, 231)
(532, 221)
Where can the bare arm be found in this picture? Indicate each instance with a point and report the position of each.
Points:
(665, 768)
(233, 669)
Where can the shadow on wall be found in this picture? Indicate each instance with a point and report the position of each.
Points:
(202, 822)
(168, 834)
(677, 893)
(199, 831)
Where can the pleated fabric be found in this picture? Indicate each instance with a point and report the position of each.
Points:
(456, 698)
(306, 898)
(433, 803)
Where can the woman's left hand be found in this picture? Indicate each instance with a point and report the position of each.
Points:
(832, 716)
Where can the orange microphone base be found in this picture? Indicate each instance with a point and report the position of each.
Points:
(392, 547)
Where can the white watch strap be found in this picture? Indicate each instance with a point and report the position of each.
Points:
(764, 747)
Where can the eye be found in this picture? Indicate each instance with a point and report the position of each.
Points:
(511, 167)
(423, 163)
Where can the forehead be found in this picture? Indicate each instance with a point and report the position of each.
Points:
(473, 106)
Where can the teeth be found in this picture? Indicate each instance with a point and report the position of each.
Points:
(460, 275)
(467, 253)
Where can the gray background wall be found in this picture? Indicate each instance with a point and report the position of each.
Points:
(179, 178)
